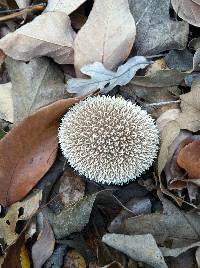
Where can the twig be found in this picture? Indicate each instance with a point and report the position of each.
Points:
(162, 103)
(23, 11)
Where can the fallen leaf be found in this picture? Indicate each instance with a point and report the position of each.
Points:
(44, 246)
(187, 10)
(29, 41)
(168, 135)
(69, 188)
(175, 252)
(156, 31)
(6, 102)
(66, 6)
(181, 60)
(56, 259)
(189, 117)
(189, 158)
(8, 223)
(23, 3)
(73, 217)
(13, 258)
(136, 206)
(166, 117)
(29, 150)
(74, 259)
(24, 258)
(34, 85)
(173, 224)
(139, 247)
(76, 215)
(108, 47)
(104, 79)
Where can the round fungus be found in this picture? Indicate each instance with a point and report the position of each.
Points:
(108, 139)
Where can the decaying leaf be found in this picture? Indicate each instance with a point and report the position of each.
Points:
(29, 41)
(104, 79)
(169, 133)
(188, 10)
(6, 102)
(24, 258)
(56, 259)
(29, 206)
(44, 246)
(189, 158)
(138, 247)
(34, 85)
(69, 188)
(156, 31)
(74, 259)
(113, 40)
(73, 217)
(166, 117)
(175, 252)
(173, 224)
(181, 60)
(189, 118)
(66, 6)
(29, 150)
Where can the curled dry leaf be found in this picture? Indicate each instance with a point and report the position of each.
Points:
(188, 10)
(189, 158)
(44, 246)
(104, 79)
(29, 150)
(138, 247)
(66, 6)
(29, 41)
(114, 39)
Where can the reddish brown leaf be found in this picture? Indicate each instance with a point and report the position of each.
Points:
(189, 159)
(29, 150)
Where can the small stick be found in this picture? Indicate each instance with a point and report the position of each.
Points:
(162, 103)
(22, 12)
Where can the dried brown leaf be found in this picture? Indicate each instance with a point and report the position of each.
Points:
(112, 42)
(29, 150)
(30, 41)
(189, 159)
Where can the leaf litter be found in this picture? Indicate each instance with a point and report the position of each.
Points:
(146, 52)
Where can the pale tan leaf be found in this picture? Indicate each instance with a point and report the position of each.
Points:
(169, 133)
(6, 102)
(188, 10)
(67, 6)
(8, 223)
(107, 36)
(166, 117)
(190, 106)
(35, 39)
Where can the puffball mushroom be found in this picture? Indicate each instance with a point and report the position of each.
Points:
(108, 140)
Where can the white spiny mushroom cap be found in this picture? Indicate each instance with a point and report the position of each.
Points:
(108, 139)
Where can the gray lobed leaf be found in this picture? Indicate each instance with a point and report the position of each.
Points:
(104, 79)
